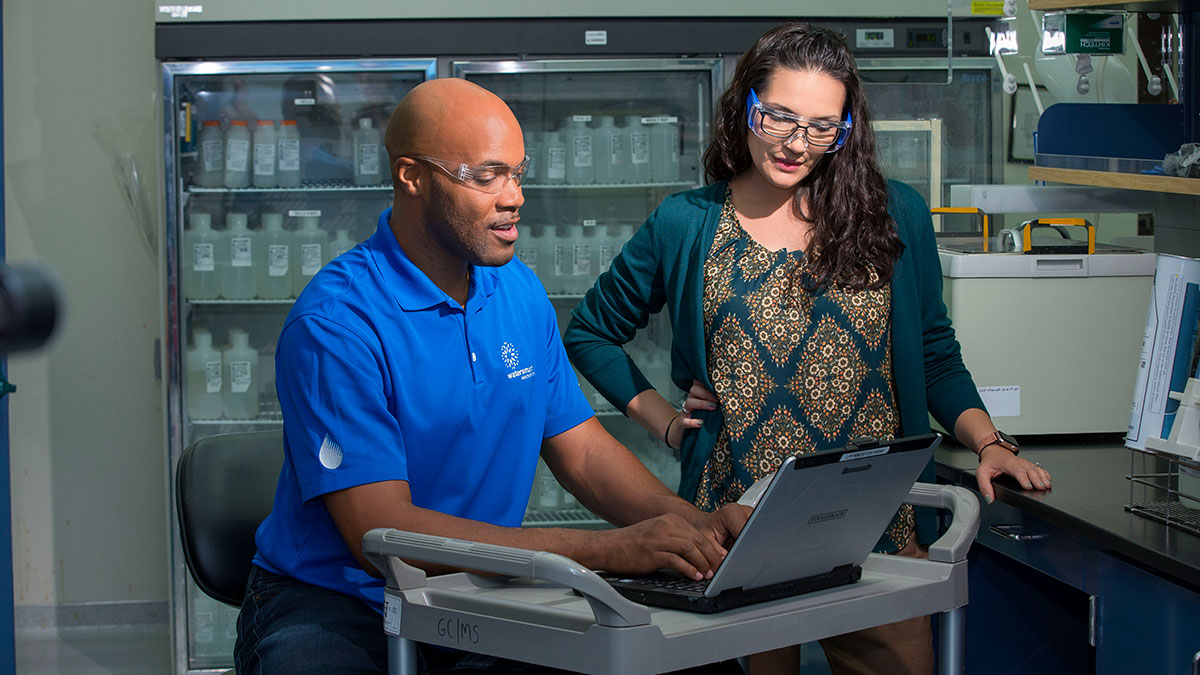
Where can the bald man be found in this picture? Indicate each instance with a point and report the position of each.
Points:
(420, 376)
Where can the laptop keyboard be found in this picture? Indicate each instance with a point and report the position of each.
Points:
(665, 581)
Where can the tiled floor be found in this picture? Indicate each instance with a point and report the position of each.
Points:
(144, 649)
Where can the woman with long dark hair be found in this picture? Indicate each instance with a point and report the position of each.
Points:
(804, 292)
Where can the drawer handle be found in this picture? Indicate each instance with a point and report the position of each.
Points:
(1015, 532)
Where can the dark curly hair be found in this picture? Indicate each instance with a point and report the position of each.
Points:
(852, 234)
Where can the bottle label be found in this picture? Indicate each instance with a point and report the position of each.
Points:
(529, 257)
(582, 151)
(560, 260)
(240, 250)
(264, 159)
(639, 147)
(210, 151)
(203, 259)
(618, 150)
(212, 377)
(368, 159)
(583, 260)
(310, 259)
(606, 255)
(239, 376)
(289, 154)
(277, 260)
(237, 155)
(557, 159)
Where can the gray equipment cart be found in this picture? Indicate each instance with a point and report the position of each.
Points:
(550, 610)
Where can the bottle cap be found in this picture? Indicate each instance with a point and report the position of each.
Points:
(364, 123)
(238, 123)
(272, 220)
(237, 220)
(288, 123)
(200, 219)
(212, 123)
(266, 122)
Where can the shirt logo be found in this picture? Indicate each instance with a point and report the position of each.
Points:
(512, 360)
(330, 454)
(508, 353)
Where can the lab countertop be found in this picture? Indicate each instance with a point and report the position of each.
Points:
(1088, 499)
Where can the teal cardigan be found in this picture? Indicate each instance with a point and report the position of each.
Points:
(663, 264)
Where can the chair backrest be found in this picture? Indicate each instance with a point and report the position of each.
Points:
(224, 487)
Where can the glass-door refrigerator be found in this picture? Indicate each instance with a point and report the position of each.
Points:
(273, 168)
(609, 139)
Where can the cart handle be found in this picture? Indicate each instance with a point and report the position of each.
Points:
(967, 209)
(952, 546)
(385, 547)
(1028, 226)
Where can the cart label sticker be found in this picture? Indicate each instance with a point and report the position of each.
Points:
(1002, 401)
(595, 37)
(589, 222)
(987, 7)
(391, 616)
(305, 101)
(304, 213)
(330, 454)
(180, 11)
(874, 38)
(660, 119)
(581, 118)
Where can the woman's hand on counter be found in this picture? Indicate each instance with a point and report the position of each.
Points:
(995, 461)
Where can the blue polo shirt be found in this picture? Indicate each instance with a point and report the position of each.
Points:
(382, 376)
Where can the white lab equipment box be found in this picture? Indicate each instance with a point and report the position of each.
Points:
(1052, 341)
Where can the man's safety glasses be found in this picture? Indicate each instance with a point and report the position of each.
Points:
(490, 178)
(776, 126)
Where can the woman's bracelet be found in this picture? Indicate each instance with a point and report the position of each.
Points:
(667, 432)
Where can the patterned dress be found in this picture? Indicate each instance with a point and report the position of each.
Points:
(794, 371)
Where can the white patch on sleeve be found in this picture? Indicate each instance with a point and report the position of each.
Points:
(331, 454)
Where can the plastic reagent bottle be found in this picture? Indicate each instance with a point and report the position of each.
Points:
(527, 245)
(583, 259)
(273, 270)
(532, 147)
(203, 378)
(556, 159)
(200, 243)
(609, 147)
(580, 165)
(639, 150)
(266, 147)
(664, 148)
(210, 170)
(341, 243)
(289, 154)
(237, 155)
(366, 153)
(311, 244)
(237, 259)
(241, 373)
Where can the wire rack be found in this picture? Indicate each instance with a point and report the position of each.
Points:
(1156, 491)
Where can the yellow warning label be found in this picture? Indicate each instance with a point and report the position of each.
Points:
(987, 7)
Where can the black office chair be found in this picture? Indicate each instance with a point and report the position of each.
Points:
(224, 487)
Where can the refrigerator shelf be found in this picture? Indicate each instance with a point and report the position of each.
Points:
(320, 186)
(256, 301)
(262, 420)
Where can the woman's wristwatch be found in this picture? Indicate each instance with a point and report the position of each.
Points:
(998, 438)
